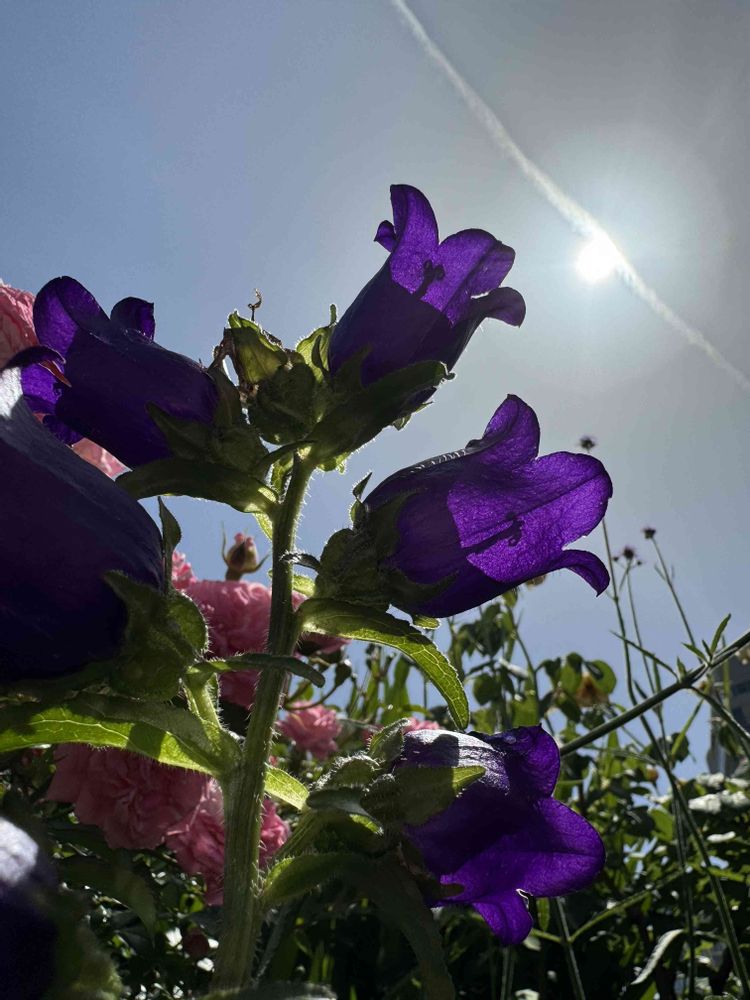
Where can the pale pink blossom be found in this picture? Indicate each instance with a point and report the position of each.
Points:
(412, 724)
(96, 455)
(198, 841)
(311, 727)
(182, 572)
(133, 799)
(16, 322)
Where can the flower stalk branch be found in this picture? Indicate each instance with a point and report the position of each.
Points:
(243, 789)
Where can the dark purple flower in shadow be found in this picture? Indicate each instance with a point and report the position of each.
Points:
(27, 928)
(487, 518)
(504, 834)
(112, 370)
(64, 524)
(428, 298)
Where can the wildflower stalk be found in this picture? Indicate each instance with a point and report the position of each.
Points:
(243, 789)
(725, 915)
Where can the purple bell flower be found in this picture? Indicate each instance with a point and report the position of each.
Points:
(504, 834)
(428, 298)
(486, 519)
(64, 525)
(27, 928)
(112, 370)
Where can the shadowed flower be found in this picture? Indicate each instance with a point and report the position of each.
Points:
(27, 928)
(64, 525)
(505, 834)
(241, 557)
(649, 532)
(428, 298)
(311, 727)
(198, 841)
(16, 334)
(112, 370)
(133, 799)
(485, 519)
(587, 442)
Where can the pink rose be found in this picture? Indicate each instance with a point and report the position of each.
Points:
(16, 333)
(413, 724)
(133, 799)
(237, 614)
(312, 728)
(16, 322)
(198, 841)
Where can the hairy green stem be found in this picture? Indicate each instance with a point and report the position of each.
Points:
(243, 789)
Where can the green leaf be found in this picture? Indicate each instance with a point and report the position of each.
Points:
(112, 880)
(284, 787)
(171, 535)
(363, 413)
(400, 902)
(355, 622)
(303, 584)
(297, 876)
(387, 744)
(392, 890)
(164, 733)
(603, 674)
(202, 479)
(425, 791)
(267, 661)
(256, 354)
(662, 947)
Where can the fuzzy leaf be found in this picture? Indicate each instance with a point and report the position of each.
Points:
(355, 622)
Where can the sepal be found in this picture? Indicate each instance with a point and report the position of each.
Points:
(165, 634)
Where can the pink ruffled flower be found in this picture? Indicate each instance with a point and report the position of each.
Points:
(412, 724)
(16, 333)
(313, 728)
(133, 799)
(198, 841)
(237, 614)
(182, 572)
(16, 322)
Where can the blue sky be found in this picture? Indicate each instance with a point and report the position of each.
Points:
(188, 152)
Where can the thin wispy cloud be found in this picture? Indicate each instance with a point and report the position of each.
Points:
(580, 220)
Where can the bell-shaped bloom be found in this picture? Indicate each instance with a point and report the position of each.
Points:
(428, 298)
(504, 834)
(27, 929)
(474, 523)
(112, 370)
(64, 525)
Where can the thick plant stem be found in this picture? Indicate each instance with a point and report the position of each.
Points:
(243, 789)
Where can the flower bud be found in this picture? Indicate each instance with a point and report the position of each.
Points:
(241, 558)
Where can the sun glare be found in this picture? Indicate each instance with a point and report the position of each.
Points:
(597, 259)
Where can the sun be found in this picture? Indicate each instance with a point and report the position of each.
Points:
(597, 258)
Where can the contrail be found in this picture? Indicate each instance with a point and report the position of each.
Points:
(581, 221)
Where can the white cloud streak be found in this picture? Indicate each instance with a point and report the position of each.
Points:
(580, 220)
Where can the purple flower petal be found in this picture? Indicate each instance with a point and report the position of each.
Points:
(135, 314)
(56, 612)
(504, 833)
(489, 517)
(429, 297)
(507, 916)
(113, 371)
